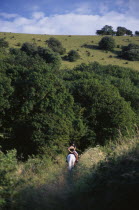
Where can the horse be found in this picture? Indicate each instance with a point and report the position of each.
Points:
(71, 161)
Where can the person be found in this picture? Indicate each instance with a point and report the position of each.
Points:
(72, 150)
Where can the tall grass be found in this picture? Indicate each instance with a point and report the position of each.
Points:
(112, 182)
(104, 174)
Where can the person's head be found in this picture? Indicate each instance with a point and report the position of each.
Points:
(72, 144)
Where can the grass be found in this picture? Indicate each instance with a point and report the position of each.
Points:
(112, 182)
(87, 47)
(109, 174)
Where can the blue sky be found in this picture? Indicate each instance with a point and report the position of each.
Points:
(77, 17)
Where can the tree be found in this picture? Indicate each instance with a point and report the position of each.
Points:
(106, 30)
(107, 43)
(56, 45)
(40, 111)
(121, 31)
(137, 33)
(105, 111)
(129, 32)
(99, 32)
(6, 91)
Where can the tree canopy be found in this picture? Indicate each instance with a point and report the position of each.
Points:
(45, 108)
(108, 30)
(107, 43)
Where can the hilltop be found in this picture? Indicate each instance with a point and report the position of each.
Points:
(87, 47)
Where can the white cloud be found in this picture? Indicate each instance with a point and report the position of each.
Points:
(7, 15)
(75, 24)
(38, 15)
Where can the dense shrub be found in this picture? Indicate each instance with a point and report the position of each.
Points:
(73, 55)
(49, 56)
(46, 54)
(3, 43)
(8, 180)
(130, 52)
(107, 43)
(29, 48)
(56, 45)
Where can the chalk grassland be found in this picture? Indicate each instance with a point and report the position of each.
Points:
(87, 47)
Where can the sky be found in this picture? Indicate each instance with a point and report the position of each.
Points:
(67, 17)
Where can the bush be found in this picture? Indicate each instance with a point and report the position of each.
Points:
(73, 55)
(130, 52)
(56, 45)
(8, 166)
(3, 43)
(49, 56)
(29, 48)
(107, 43)
(45, 53)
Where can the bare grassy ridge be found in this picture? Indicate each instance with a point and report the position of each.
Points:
(87, 47)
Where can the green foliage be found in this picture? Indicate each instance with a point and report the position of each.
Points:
(29, 48)
(3, 43)
(73, 55)
(137, 33)
(75, 43)
(43, 110)
(56, 45)
(107, 43)
(121, 31)
(106, 30)
(130, 52)
(106, 112)
(8, 166)
(113, 179)
(47, 54)
(6, 91)
(44, 107)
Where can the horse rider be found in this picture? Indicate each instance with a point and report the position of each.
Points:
(72, 150)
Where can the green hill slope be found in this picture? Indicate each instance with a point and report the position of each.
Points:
(87, 47)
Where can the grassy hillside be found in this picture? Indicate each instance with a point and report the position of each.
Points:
(87, 46)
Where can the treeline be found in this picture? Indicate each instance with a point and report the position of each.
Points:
(43, 108)
(121, 31)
